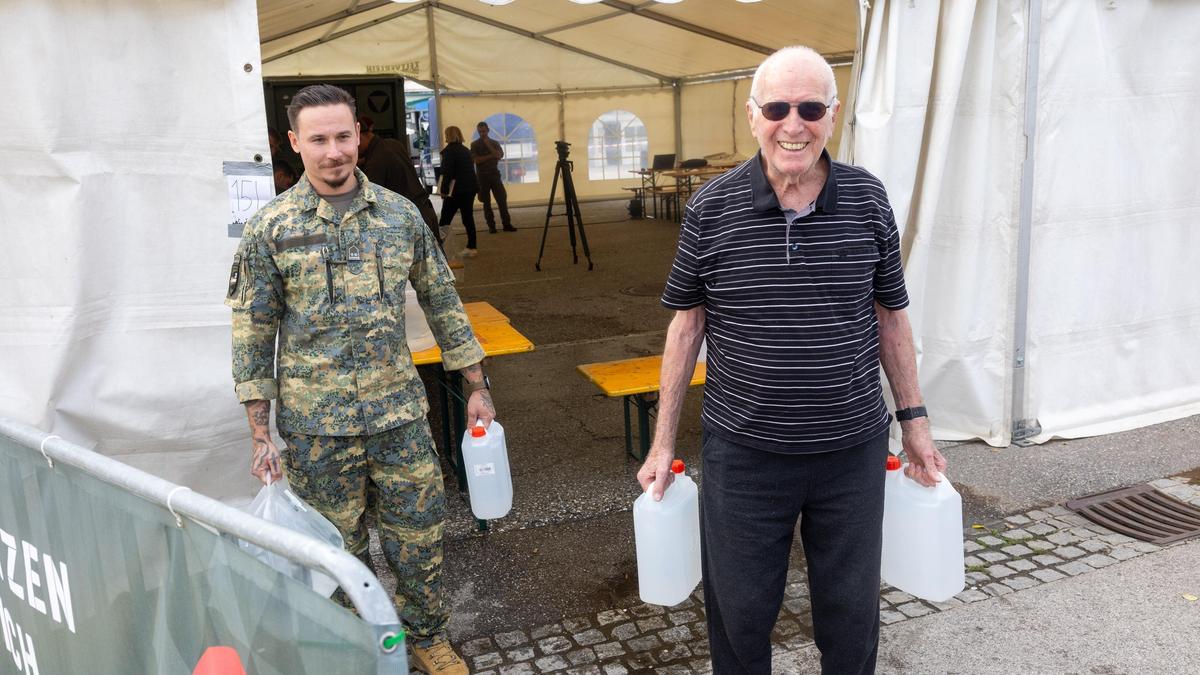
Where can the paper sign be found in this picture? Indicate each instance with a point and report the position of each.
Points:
(250, 185)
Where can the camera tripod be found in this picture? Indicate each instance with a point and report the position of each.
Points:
(563, 169)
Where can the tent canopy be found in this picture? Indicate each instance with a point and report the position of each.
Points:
(545, 45)
(566, 69)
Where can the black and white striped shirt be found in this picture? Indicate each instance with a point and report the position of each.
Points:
(793, 342)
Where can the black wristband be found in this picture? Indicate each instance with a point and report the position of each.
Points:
(469, 388)
(906, 414)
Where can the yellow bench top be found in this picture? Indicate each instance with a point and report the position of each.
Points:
(481, 312)
(632, 376)
(495, 335)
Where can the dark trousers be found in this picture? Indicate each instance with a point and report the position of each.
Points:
(749, 502)
(489, 184)
(465, 204)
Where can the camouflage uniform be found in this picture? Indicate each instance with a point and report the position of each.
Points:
(351, 405)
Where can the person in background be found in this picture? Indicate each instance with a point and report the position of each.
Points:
(458, 187)
(384, 166)
(790, 266)
(486, 154)
(285, 175)
(320, 272)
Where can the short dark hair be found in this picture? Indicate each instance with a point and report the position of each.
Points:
(483, 125)
(318, 95)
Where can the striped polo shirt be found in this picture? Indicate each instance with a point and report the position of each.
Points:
(793, 341)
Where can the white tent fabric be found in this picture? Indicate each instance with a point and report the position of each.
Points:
(114, 213)
(1113, 308)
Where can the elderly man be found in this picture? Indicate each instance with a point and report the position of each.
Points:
(322, 269)
(790, 266)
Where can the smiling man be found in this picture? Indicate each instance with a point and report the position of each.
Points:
(790, 266)
(321, 271)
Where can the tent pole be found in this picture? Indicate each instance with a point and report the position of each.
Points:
(1023, 426)
(677, 89)
(562, 116)
(435, 134)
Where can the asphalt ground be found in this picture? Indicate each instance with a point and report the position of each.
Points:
(566, 549)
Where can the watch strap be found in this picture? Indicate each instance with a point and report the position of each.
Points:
(472, 387)
(906, 414)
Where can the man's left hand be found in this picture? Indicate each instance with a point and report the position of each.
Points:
(480, 407)
(925, 462)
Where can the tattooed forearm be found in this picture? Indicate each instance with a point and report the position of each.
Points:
(486, 397)
(259, 414)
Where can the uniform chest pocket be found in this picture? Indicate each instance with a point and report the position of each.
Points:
(307, 279)
(393, 260)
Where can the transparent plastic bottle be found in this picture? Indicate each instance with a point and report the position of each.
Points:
(667, 536)
(485, 457)
(922, 536)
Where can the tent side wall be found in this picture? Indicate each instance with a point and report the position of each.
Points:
(117, 217)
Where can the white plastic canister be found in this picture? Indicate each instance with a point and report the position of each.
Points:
(667, 536)
(416, 328)
(485, 458)
(922, 536)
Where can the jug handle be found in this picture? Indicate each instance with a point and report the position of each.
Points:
(937, 475)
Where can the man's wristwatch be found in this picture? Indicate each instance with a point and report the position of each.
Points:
(906, 414)
(469, 388)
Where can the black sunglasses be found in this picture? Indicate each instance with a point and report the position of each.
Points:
(810, 111)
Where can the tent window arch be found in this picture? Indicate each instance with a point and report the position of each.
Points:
(516, 136)
(617, 146)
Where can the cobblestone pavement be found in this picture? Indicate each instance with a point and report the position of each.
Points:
(1020, 552)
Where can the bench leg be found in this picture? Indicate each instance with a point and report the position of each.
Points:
(644, 405)
(628, 431)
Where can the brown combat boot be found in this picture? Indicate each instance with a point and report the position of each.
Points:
(438, 658)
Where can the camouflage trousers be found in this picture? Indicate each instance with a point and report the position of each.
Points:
(395, 475)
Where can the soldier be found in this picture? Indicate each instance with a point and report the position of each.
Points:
(323, 268)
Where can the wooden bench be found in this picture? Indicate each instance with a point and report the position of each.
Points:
(634, 380)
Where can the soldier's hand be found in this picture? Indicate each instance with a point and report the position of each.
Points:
(264, 462)
(480, 407)
(657, 470)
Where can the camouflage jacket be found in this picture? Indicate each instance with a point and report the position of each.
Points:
(334, 295)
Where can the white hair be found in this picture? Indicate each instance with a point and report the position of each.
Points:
(797, 52)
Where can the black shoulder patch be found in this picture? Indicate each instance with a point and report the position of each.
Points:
(234, 274)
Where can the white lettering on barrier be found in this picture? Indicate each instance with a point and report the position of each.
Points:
(18, 644)
(29, 655)
(11, 542)
(5, 624)
(57, 582)
(32, 578)
(58, 588)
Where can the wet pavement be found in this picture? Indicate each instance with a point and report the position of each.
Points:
(564, 556)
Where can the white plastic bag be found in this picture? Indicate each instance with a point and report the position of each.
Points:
(277, 504)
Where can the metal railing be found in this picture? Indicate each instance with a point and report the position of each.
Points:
(359, 583)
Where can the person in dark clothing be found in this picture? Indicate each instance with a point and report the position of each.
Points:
(383, 166)
(458, 187)
(487, 153)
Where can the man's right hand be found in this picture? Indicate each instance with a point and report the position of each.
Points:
(657, 470)
(264, 462)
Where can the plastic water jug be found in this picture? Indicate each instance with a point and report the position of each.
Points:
(416, 328)
(667, 536)
(485, 457)
(922, 536)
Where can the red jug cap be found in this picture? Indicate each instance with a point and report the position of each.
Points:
(893, 463)
(677, 466)
(478, 432)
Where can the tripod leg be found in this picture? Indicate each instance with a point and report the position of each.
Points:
(549, 211)
(569, 201)
(573, 210)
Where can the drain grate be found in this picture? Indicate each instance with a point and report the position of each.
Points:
(1140, 512)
